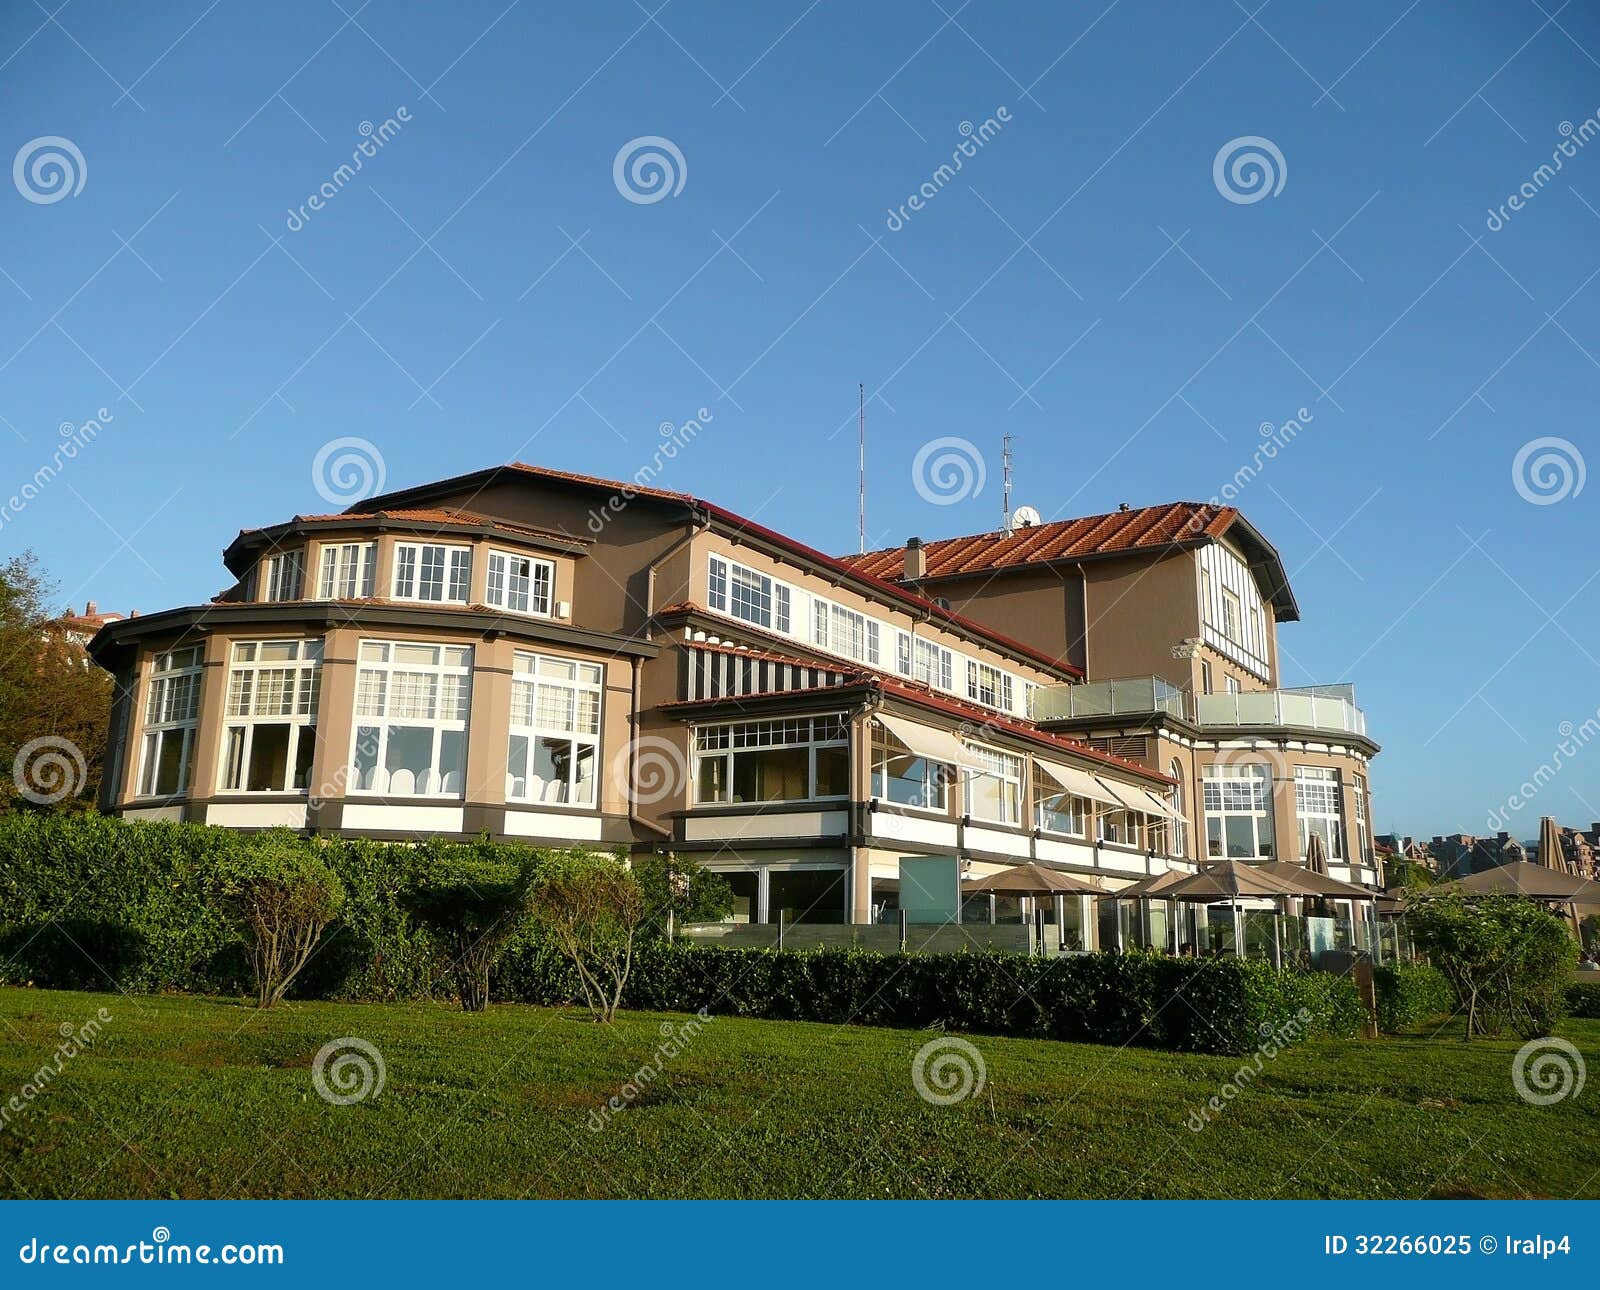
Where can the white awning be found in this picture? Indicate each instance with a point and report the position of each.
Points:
(927, 741)
(1126, 795)
(1080, 783)
(1160, 807)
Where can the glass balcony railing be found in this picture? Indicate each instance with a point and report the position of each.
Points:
(1314, 707)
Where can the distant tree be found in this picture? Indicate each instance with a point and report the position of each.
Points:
(681, 887)
(1412, 874)
(49, 691)
(1509, 960)
(590, 907)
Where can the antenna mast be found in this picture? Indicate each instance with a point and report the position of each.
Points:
(1005, 475)
(861, 464)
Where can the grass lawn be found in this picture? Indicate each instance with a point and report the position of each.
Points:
(201, 1097)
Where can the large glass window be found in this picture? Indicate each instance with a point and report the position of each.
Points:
(899, 775)
(794, 759)
(1363, 838)
(1316, 803)
(1180, 822)
(933, 665)
(1057, 811)
(843, 631)
(1238, 804)
(555, 730)
(172, 711)
(994, 786)
(412, 702)
(520, 583)
(748, 595)
(988, 686)
(270, 732)
(347, 570)
(429, 571)
(282, 574)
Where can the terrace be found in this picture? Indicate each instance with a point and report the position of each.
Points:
(1315, 707)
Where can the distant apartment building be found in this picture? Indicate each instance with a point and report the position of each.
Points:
(1457, 855)
(565, 660)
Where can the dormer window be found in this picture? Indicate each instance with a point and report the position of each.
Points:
(432, 572)
(282, 575)
(520, 583)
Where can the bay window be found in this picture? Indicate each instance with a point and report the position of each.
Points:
(412, 703)
(432, 572)
(1238, 806)
(172, 713)
(281, 575)
(347, 570)
(994, 786)
(788, 760)
(520, 583)
(1316, 804)
(270, 727)
(555, 730)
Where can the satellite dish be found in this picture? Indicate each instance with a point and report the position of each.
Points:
(1025, 517)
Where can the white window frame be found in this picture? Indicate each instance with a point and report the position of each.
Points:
(1363, 836)
(933, 664)
(1080, 810)
(1003, 767)
(540, 685)
(292, 703)
(936, 777)
(347, 570)
(722, 740)
(536, 596)
(455, 572)
(283, 575)
(1223, 800)
(172, 714)
(772, 607)
(846, 632)
(998, 683)
(383, 707)
(1318, 796)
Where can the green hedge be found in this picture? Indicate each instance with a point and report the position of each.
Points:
(1411, 993)
(1191, 1005)
(93, 903)
(1583, 1000)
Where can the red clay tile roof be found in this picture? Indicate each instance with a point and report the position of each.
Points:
(426, 515)
(1149, 528)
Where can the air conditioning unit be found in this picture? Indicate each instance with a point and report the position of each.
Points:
(563, 609)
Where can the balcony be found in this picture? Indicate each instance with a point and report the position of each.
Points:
(1315, 707)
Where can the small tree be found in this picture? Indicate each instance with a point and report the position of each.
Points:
(683, 888)
(282, 896)
(590, 907)
(472, 902)
(1508, 959)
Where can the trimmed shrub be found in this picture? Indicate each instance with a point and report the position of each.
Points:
(589, 907)
(1583, 999)
(1411, 993)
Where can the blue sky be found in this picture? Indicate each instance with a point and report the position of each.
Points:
(482, 291)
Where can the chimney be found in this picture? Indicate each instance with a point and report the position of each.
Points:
(133, 613)
(1123, 508)
(89, 609)
(916, 561)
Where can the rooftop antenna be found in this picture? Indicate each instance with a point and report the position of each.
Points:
(1005, 475)
(861, 465)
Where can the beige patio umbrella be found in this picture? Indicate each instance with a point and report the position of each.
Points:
(1316, 855)
(1154, 887)
(1323, 884)
(1033, 880)
(1223, 879)
(1552, 855)
(1524, 878)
